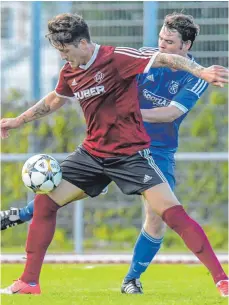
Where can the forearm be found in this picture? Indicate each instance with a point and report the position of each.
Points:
(178, 62)
(160, 115)
(44, 107)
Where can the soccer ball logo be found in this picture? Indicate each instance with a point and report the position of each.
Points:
(41, 174)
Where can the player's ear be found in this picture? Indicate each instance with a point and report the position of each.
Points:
(83, 44)
(186, 45)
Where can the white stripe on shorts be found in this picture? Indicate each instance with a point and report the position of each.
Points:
(146, 155)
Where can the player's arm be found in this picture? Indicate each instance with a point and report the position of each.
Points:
(217, 75)
(130, 62)
(161, 114)
(182, 102)
(45, 106)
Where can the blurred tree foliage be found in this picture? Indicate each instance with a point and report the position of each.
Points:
(201, 187)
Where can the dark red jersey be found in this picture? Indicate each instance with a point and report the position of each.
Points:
(107, 92)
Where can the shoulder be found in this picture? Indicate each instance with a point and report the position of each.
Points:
(126, 50)
(148, 50)
(131, 52)
(106, 49)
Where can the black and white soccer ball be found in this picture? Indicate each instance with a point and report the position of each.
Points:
(41, 174)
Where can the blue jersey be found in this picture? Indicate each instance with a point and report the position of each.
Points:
(161, 87)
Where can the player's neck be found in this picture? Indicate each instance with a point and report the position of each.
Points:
(90, 51)
(183, 54)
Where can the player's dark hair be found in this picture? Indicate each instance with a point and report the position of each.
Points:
(184, 25)
(67, 28)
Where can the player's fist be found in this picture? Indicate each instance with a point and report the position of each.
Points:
(7, 124)
(215, 75)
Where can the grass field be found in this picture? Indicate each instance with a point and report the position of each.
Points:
(100, 285)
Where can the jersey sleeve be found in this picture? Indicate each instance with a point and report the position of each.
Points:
(130, 62)
(62, 89)
(189, 94)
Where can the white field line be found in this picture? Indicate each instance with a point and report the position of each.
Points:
(108, 258)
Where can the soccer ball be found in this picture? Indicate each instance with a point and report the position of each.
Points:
(41, 174)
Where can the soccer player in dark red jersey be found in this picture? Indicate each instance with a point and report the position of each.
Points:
(102, 78)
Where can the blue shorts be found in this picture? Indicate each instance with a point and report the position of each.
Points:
(166, 162)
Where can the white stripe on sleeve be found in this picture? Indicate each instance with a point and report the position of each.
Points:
(132, 54)
(179, 106)
(65, 96)
(149, 65)
(198, 87)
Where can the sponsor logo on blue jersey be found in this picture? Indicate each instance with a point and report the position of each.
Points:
(162, 87)
(157, 101)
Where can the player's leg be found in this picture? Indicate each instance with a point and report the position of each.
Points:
(81, 174)
(10, 218)
(15, 216)
(129, 174)
(165, 204)
(42, 228)
(26, 213)
(133, 174)
(40, 235)
(146, 247)
(151, 236)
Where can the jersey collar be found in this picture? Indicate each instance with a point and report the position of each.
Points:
(93, 58)
(190, 57)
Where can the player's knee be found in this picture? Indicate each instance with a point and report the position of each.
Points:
(154, 226)
(44, 206)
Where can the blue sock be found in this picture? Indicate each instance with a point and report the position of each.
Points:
(145, 249)
(26, 213)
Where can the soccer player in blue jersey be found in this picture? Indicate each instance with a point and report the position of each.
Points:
(166, 97)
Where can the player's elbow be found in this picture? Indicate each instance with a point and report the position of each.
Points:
(58, 101)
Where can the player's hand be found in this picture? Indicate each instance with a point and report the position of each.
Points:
(6, 125)
(215, 75)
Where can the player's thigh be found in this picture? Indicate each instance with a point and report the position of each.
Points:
(160, 197)
(66, 192)
(166, 163)
(134, 174)
(85, 172)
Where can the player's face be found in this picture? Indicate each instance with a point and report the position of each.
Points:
(171, 42)
(74, 55)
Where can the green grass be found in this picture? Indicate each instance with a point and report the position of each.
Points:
(69, 249)
(100, 285)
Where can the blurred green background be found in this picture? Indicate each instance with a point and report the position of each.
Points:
(112, 222)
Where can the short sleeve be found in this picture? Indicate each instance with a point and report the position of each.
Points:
(130, 62)
(189, 94)
(62, 89)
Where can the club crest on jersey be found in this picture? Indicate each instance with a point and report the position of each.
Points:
(99, 76)
(173, 87)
